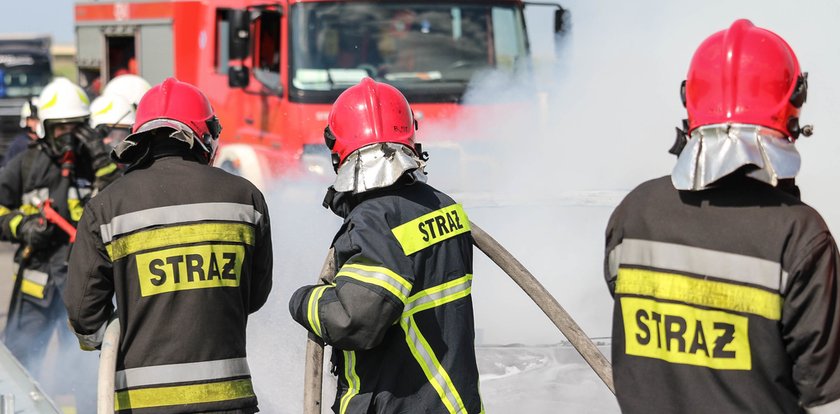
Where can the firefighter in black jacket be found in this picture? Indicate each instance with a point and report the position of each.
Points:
(186, 249)
(66, 165)
(399, 312)
(727, 296)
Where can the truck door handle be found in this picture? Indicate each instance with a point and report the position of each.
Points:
(249, 121)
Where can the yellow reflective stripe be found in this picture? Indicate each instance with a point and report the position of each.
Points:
(694, 291)
(432, 228)
(439, 295)
(354, 384)
(175, 235)
(379, 276)
(183, 394)
(76, 209)
(312, 313)
(105, 109)
(29, 209)
(14, 223)
(106, 170)
(32, 289)
(4, 210)
(49, 104)
(435, 373)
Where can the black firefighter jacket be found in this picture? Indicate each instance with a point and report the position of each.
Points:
(399, 313)
(186, 248)
(28, 180)
(727, 300)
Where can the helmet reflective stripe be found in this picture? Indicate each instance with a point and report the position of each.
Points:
(111, 110)
(61, 101)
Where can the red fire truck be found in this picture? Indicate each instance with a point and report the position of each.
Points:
(272, 69)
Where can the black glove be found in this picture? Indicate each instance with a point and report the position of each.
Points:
(93, 143)
(35, 231)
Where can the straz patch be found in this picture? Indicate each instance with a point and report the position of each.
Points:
(193, 267)
(683, 334)
(432, 228)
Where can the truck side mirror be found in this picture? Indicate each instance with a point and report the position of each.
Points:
(239, 39)
(559, 20)
(238, 77)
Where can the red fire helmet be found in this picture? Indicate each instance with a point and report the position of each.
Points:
(182, 107)
(369, 113)
(747, 75)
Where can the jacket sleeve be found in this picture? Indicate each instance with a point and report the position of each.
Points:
(811, 325)
(90, 284)
(10, 195)
(613, 238)
(370, 290)
(263, 259)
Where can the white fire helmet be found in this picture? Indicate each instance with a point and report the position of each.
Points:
(130, 87)
(61, 101)
(111, 110)
(26, 110)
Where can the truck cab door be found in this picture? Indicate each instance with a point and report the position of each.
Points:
(258, 73)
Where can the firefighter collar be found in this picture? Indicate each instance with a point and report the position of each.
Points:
(377, 166)
(715, 151)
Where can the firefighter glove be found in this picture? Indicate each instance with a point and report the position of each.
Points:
(35, 231)
(93, 142)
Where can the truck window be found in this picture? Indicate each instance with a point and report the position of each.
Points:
(421, 47)
(121, 55)
(267, 49)
(222, 45)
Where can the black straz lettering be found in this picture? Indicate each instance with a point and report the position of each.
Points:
(422, 229)
(176, 272)
(658, 318)
(724, 339)
(155, 269)
(699, 341)
(441, 225)
(457, 219)
(194, 267)
(640, 315)
(677, 335)
(228, 268)
(451, 221)
(429, 223)
(213, 269)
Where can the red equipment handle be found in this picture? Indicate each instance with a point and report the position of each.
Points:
(53, 217)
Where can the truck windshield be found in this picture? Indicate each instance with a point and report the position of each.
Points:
(429, 50)
(23, 76)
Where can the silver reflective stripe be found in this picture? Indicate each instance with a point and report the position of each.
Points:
(94, 340)
(712, 263)
(614, 261)
(384, 278)
(175, 373)
(830, 408)
(183, 213)
(35, 197)
(430, 365)
(422, 298)
(36, 277)
(353, 381)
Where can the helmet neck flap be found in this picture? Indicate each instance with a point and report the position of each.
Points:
(376, 166)
(715, 151)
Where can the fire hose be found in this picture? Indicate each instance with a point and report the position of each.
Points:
(313, 374)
